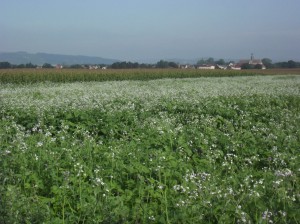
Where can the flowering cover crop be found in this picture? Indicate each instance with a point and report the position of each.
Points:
(198, 150)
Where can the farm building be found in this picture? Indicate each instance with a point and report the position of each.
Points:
(251, 62)
(187, 66)
(205, 66)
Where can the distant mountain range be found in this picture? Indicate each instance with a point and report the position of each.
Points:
(41, 58)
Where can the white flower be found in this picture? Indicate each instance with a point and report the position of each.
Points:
(284, 173)
(99, 181)
(160, 187)
(152, 218)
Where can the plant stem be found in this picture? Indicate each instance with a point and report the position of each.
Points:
(166, 201)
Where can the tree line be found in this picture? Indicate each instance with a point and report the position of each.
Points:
(284, 64)
(6, 64)
(160, 64)
(116, 65)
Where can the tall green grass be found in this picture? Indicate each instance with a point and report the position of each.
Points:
(83, 75)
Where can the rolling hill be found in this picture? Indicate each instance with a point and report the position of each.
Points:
(41, 58)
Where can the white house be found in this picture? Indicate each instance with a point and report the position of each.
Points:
(210, 67)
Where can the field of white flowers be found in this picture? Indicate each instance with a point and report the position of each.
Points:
(198, 150)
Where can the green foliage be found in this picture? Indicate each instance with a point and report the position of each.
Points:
(292, 64)
(288, 64)
(220, 62)
(267, 62)
(258, 66)
(135, 157)
(80, 75)
(207, 61)
(173, 65)
(124, 64)
(162, 64)
(47, 65)
(76, 66)
(83, 75)
(30, 65)
(247, 66)
(5, 65)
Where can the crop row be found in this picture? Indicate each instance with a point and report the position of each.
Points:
(81, 75)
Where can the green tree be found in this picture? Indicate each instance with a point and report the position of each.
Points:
(210, 60)
(284, 64)
(124, 65)
(76, 66)
(162, 64)
(21, 66)
(258, 66)
(30, 65)
(247, 66)
(5, 64)
(173, 65)
(143, 65)
(267, 62)
(201, 62)
(206, 61)
(292, 64)
(135, 65)
(115, 65)
(220, 62)
(47, 65)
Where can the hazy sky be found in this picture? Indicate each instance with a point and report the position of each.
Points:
(155, 29)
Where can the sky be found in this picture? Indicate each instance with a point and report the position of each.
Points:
(140, 30)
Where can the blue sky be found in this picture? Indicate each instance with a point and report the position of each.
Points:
(139, 30)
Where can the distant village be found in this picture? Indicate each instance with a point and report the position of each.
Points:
(242, 64)
(204, 64)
